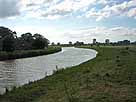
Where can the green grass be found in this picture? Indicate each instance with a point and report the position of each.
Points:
(28, 53)
(110, 77)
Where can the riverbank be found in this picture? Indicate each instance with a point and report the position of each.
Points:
(110, 77)
(28, 53)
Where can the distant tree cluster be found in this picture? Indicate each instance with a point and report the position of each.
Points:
(118, 43)
(10, 42)
(124, 42)
(77, 43)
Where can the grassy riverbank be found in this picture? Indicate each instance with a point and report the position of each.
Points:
(27, 53)
(110, 77)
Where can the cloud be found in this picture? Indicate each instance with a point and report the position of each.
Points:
(101, 33)
(52, 17)
(33, 2)
(126, 8)
(122, 9)
(99, 15)
(102, 1)
(9, 8)
(67, 7)
(132, 12)
(112, 8)
(56, 9)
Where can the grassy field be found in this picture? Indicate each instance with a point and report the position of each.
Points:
(28, 53)
(110, 77)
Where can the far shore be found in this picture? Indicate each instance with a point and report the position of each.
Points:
(27, 53)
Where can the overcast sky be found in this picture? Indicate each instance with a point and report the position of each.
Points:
(71, 20)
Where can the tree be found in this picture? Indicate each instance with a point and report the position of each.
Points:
(5, 32)
(7, 39)
(53, 43)
(8, 44)
(79, 43)
(27, 37)
(58, 43)
(40, 42)
(26, 41)
(70, 43)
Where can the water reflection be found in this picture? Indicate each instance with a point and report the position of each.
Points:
(21, 71)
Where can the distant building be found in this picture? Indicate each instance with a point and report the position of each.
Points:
(94, 41)
(107, 41)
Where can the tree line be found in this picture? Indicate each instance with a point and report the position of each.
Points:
(27, 41)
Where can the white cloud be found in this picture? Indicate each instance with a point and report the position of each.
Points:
(29, 2)
(122, 9)
(67, 7)
(101, 33)
(55, 9)
(52, 17)
(102, 1)
(63, 6)
(132, 12)
(82, 4)
(99, 15)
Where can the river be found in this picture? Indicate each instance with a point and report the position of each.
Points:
(21, 71)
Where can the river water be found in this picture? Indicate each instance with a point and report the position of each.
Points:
(21, 71)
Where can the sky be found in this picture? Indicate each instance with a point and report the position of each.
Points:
(71, 20)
